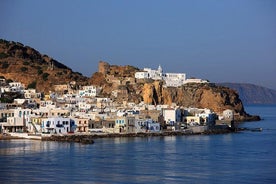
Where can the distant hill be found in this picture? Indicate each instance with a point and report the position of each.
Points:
(253, 94)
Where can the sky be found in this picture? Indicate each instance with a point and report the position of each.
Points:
(217, 40)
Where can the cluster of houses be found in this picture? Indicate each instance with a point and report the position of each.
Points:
(82, 111)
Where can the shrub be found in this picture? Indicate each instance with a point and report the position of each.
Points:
(5, 65)
(3, 55)
(39, 71)
(32, 85)
(8, 81)
(26, 63)
(24, 69)
(45, 76)
(59, 73)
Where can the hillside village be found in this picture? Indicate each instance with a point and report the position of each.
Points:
(67, 110)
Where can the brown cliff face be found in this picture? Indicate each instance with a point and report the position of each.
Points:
(193, 95)
(152, 92)
(208, 96)
(26, 65)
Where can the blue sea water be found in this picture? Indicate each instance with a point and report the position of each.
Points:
(245, 157)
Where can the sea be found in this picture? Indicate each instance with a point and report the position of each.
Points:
(243, 157)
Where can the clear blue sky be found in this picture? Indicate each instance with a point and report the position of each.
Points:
(218, 40)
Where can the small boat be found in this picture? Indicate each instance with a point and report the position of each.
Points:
(256, 129)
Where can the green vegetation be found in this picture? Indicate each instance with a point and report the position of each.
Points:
(8, 81)
(39, 71)
(8, 97)
(59, 73)
(26, 63)
(3, 55)
(45, 76)
(24, 69)
(32, 85)
(5, 65)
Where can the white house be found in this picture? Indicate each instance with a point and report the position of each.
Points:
(125, 124)
(83, 106)
(57, 125)
(31, 93)
(174, 79)
(171, 79)
(16, 87)
(147, 125)
(48, 104)
(16, 119)
(154, 74)
(206, 117)
(142, 75)
(89, 91)
(171, 116)
(196, 81)
(228, 114)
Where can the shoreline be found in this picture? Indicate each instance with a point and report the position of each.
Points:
(89, 138)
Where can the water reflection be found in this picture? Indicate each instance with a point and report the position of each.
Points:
(171, 159)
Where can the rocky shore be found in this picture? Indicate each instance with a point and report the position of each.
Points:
(89, 138)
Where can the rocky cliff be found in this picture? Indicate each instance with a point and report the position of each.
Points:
(207, 95)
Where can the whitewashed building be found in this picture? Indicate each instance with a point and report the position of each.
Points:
(57, 125)
(142, 75)
(171, 79)
(31, 93)
(196, 81)
(89, 91)
(171, 116)
(174, 79)
(155, 74)
(16, 87)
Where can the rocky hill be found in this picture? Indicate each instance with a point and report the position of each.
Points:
(253, 94)
(25, 64)
(126, 88)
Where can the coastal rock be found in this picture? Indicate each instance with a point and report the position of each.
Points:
(84, 139)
